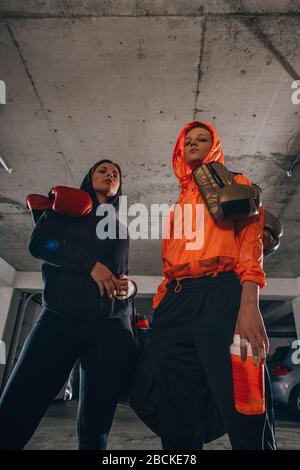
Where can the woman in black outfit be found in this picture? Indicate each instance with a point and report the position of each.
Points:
(86, 315)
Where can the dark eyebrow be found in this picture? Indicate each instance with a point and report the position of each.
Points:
(201, 133)
(106, 168)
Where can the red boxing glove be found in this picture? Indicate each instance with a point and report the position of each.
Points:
(64, 200)
(37, 202)
(142, 323)
(71, 201)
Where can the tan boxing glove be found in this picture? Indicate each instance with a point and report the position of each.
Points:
(273, 231)
(225, 199)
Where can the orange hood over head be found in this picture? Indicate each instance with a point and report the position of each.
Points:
(181, 169)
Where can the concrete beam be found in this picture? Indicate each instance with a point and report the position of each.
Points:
(277, 310)
(7, 274)
(73, 8)
(29, 281)
(32, 282)
(277, 289)
(286, 290)
(147, 284)
(280, 289)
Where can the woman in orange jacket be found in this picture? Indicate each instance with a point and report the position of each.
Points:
(209, 292)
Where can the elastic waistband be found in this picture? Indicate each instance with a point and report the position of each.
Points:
(203, 282)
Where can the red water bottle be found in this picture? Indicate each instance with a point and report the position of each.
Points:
(248, 381)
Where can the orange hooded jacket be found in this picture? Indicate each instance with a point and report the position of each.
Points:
(226, 246)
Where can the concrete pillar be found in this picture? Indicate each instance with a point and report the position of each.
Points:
(7, 274)
(9, 303)
(6, 294)
(296, 309)
(5, 301)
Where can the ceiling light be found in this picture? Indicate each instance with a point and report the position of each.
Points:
(296, 160)
(5, 165)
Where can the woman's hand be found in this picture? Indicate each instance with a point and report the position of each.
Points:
(105, 280)
(250, 325)
(126, 289)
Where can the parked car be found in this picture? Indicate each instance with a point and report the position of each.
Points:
(285, 378)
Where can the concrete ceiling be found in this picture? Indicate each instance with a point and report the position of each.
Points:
(118, 79)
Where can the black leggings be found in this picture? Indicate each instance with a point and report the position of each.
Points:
(105, 349)
(192, 331)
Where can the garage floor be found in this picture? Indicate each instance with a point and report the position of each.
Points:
(58, 431)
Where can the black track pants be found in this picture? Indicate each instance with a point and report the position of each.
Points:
(105, 349)
(192, 333)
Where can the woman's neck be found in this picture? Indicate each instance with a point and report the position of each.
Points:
(102, 199)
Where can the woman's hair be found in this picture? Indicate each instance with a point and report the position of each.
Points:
(203, 126)
(92, 170)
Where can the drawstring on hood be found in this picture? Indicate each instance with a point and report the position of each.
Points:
(181, 169)
(87, 186)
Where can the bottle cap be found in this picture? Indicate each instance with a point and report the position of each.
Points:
(235, 347)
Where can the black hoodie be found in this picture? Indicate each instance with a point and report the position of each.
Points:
(69, 248)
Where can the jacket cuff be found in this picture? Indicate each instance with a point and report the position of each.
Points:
(260, 280)
(135, 289)
(89, 264)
